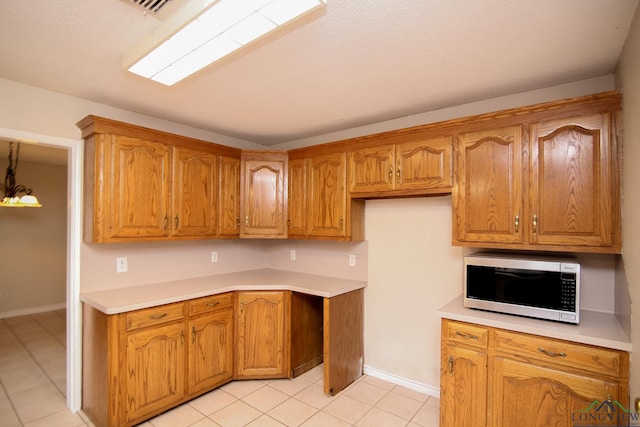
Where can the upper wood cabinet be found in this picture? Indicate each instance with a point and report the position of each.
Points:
(558, 191)
(229, 197)
(416, 166)
(263, 187)
(319, 205)
(146, 185)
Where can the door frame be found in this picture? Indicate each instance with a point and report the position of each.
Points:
(74, 240)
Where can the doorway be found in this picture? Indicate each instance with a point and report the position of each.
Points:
(74, 232)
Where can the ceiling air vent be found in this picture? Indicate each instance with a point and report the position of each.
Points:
(151, 5)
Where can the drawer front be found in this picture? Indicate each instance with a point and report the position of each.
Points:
(594, 359)
(214, 302)
(154, 316)
(474, 335)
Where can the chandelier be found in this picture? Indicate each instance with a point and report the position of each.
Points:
(11, 190)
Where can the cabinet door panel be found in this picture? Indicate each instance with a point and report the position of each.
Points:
(262, 335)
(155, 360)
(528, 395)
(141, 186)
(372, 169)
(297, 197)
(570, 178)
(211, 350)
(264, 198)
(463, 385)
(423, 164)
(194, 193)
(229, 197)
(327, 198)
(489, 186)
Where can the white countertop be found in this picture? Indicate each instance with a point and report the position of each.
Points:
(595, 328)
(114, 301)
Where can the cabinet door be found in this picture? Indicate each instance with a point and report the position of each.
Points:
(229, 197)
(372, 169)
(210, 350)
(487, 195)
(264, 198)
(423, 164)
(140, 188)
(327, 195)
(194, 193)
(296, 222)
(263, 334)
(572, 189)
(155, 366)
(529, 395)
(463, 387)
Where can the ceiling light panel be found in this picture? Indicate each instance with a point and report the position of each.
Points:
(218, 29)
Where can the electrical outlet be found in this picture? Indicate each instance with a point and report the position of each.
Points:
(214, 256)
(121, 264)
(292, 255)
(352, 260)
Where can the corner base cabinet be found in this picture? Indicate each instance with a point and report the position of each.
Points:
(495, 377)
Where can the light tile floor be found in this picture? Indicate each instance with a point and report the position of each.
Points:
(33, 381)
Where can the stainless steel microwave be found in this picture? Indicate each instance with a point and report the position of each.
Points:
(540, 287)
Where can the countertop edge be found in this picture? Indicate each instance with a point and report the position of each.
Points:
(121, 300)
(596, 328)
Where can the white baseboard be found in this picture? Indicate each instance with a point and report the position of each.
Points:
(32, 310)
(404, 382)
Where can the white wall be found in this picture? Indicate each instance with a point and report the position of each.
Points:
(629, 80)
(34, 241)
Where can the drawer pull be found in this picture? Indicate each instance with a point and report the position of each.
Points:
(467, 336)
(158, 316)
(213, 304)
(552, 353)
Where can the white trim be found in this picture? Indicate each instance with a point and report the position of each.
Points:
(32, 310)
(74, 240)
(404, 382)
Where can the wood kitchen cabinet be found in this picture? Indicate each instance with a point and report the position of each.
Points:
(229, 197)
(495, 377)
(143, 362)
(147, 185)
(263, 334)
(558, 191)
(319, 205)
(408, 166)
(263, 187)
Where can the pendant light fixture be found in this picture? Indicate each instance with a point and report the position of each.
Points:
(11, 190)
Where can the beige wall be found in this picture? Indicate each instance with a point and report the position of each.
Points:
(412, 268)
(33, 241)
(628, 78)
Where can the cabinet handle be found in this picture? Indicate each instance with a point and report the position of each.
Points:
(238, 222)
(450, 365)
(158, 316)
(467, 336)
(182, 336)
(341, 223)
(390, 173)
(552, 353)
(535, 224)
(176, 221)
(213, 304)
(517, 223)
(398, 173)
(193, 334)
(165, 222)
(610, 405)
(246, 221)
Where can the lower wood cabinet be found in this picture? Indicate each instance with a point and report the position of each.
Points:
(263, 338)
(493, 377)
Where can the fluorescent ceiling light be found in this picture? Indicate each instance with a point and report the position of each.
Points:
(207, 31)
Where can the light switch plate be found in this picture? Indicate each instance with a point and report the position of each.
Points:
(352, 260)
(121, 265)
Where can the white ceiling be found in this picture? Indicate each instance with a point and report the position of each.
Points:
(360, 62)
